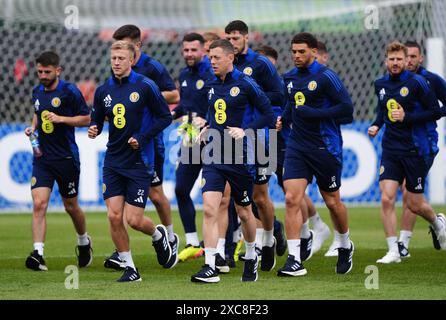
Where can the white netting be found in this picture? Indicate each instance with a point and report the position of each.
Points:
(355, 32)
(356, 53)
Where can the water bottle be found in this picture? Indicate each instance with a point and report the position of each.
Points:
(35, 144)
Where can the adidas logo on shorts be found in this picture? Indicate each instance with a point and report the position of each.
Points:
(246, 199)
(139, 199)
(156, 179)
(333, 185)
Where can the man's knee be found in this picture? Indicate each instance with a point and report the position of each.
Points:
(114, 216)
(387, 200)
(134, 221)
(261, 199)
(414, 202)
(245, 213)
(210, 211)
(40, 206)
(292, 199)
(71, 206)
(156, 195)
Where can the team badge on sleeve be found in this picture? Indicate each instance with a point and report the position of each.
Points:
(247, 71)
(234, 91)
(134, 96)
(55, 102)
(199, 84)
(312, 85)
(404, 91)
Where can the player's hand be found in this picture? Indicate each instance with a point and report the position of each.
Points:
(199, 122)
(93, 132)
(52, 117)
(398, 114)
(133, 143)
(373, 131)
(202, 136)
(279, 123)
(29, 130)
(236, 133)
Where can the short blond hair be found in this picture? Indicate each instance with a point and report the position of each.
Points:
(210, 36)
(396, 46)
(124, 45)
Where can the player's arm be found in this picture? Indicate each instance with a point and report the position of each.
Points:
(166, 84)
(81, 112)
(161, 114)
(439, 86)
(342, 106)
(171, 97)
(271, 83)
(179, 110)
(76, 121)
(97, 116)
(260, 101)
(33, 127)
(379, 120)
(286, 117)
(431, 109)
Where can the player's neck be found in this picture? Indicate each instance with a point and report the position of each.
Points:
(223, 75)
(396, 75)
(307, 65)
(53, 86)
(124, 75)
(137, 56)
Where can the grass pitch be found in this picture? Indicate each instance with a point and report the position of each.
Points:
(422, 276)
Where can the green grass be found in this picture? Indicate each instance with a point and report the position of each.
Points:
(420, 277)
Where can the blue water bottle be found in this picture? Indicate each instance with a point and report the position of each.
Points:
(35, 144)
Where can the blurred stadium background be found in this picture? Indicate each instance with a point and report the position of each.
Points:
(355, 32)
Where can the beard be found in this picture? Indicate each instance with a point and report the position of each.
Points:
(47, 83)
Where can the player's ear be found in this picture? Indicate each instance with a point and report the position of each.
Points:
(314, 52)
(58, 70)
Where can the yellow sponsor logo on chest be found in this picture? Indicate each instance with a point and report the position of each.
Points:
(119, 112)
(299, 98)
(220, 111)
